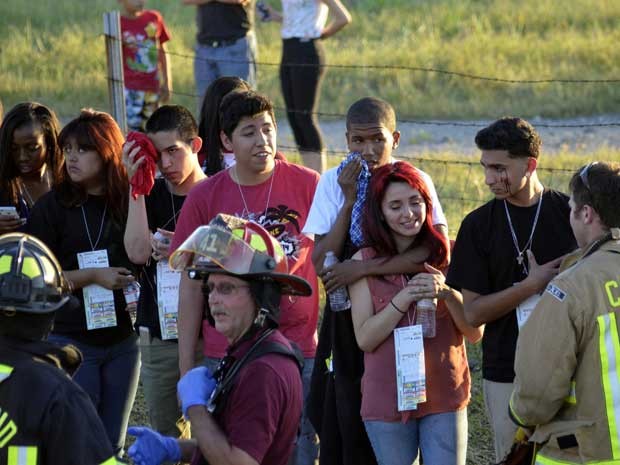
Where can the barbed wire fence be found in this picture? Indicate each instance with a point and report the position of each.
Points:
(459, 182)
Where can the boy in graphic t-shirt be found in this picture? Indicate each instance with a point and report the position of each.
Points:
(148, 81)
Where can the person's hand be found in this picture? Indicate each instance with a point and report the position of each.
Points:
(130, 150)
(341, 274)
(540, 275)
(195, 388)
(10, 223)
(347, 179)
(430, 285)
(161, 247)
(151, 448)
(113, 277)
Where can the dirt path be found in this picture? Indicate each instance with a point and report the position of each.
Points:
(426, 139)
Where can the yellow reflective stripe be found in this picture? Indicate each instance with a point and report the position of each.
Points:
(541, 460)
(110, 461)
(609, 348)
(571, 398)
(26, 455)
(514, 414)
(5, 372)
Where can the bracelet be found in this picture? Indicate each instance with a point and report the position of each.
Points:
(396, 308)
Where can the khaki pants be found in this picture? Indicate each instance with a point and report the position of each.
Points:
(159, 374)
(496, 399)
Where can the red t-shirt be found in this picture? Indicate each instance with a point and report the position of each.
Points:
(262, 413)
(282, 209)
(142, 37)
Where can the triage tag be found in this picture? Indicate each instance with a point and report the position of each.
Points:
(525, 309)
(410, 370)
(132, 293)
(168, 299)
(98, 301)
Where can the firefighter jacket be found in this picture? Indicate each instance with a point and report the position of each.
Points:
(45, 418)
(567, 364)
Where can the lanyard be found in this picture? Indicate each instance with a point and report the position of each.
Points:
(90, 240)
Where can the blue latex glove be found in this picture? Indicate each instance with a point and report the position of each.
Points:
(151, 448)
(195, 388)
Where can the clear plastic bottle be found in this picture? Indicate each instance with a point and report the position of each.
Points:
(338, 299)
(426, 315)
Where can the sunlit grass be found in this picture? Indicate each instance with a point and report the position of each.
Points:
(55, 53)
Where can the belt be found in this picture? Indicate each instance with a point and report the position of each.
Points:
(219, 43)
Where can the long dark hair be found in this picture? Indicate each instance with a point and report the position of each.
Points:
(95, 130)
(209, 123)
(376, 232)
(20, 115)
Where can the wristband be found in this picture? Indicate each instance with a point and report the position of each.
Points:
(396, 308)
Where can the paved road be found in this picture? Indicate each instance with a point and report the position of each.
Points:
(428, 139)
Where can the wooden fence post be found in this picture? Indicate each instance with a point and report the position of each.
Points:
(116, 80)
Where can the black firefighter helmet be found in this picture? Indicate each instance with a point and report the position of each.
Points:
(31, 279)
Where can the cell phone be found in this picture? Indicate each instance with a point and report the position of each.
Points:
(10, 212)
(263, 11)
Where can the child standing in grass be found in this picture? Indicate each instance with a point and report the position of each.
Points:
(148, 81)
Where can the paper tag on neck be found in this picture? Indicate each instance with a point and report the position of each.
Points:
(168, 299)
(98, 301)
(410, 367)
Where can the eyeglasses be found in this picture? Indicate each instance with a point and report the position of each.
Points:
(225, 288)
(583, 174)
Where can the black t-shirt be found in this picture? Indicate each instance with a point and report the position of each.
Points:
(484, 262)
(162, 211)
(219, 21)
(51, 412)
(64, 232)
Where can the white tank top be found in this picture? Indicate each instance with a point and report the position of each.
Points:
(303, 19)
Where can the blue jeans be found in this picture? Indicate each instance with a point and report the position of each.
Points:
(238, 59)
(109, 375)
(307, 447)
(442, 439)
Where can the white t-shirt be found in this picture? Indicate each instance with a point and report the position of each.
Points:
(329, 199)
(303, 19)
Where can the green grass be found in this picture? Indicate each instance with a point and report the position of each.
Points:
(53, 51)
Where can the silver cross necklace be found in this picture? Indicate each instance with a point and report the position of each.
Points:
(528, 244)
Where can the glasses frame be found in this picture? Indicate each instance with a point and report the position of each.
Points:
(234, 288)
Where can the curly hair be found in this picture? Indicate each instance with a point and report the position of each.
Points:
(515, 135)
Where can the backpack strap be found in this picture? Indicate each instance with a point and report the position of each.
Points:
(260, 348)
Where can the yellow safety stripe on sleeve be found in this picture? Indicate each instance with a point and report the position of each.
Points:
(514, 414)
(541, 460)
(571, 398)
(22, 455)
(609, 348)
(111, 461)
(5, 372)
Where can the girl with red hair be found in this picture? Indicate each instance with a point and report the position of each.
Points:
(83, 221)
(399, 218)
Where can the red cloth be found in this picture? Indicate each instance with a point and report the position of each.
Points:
(143, 180)
(289, 203)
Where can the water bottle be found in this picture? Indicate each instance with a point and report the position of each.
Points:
(338, 299)
(426, 313)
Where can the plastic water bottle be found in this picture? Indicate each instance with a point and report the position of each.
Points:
(426, 316)
(338, 299)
